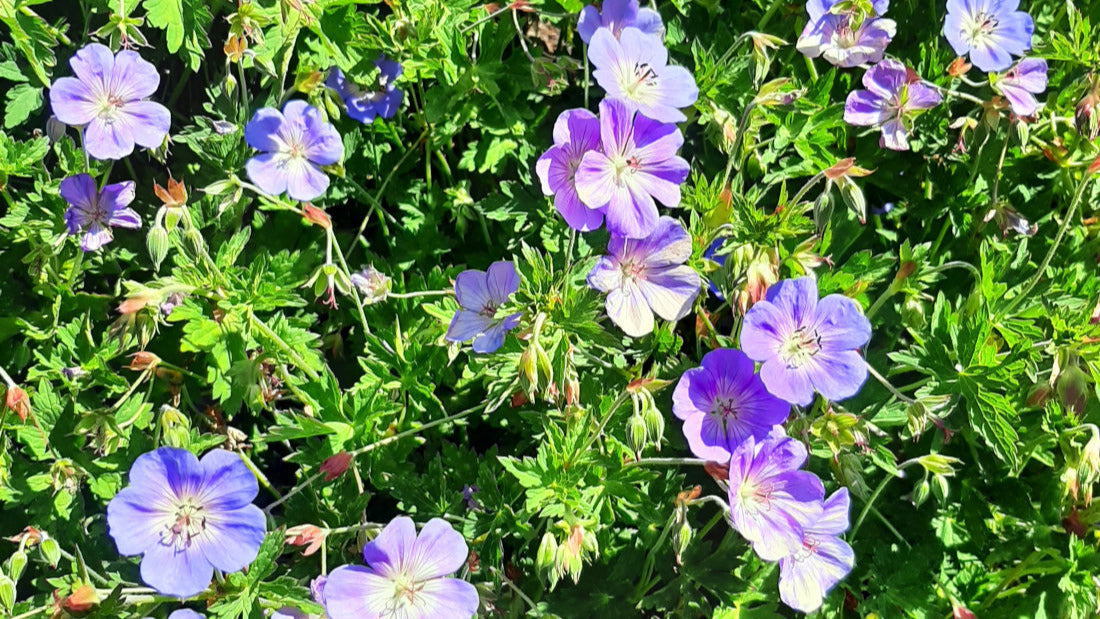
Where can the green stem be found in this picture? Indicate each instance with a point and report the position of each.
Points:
(603, 424)
(354, 290)
(885, 383)
(292, 354)
(1050, 254)
(665, 462)
(874, 496)
(419, 293)
(772, 8)
(77, 263)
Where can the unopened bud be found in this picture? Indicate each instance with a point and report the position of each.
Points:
(82, 599)
(7, 592)
(19, 402)
(636, 433)
(961, 612)
(143, 360)
(51, 550)
(921, 493)
(55, 129)
(1073, 389)
(681, 540)
(335, 465)
(654, 426)
(175, 427)
(16, 564)
(308, 535)
(548, 550)
(1087, 115)
(156, 242)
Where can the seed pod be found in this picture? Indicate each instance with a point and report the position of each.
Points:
(51, 550)
(7, 592)
(16, 564)
(636, 433)
(548, 550)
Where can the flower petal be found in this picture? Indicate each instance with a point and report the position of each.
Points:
(233, 537)
(80, 191)
(355, 592)
(790, 384)
(385, 554)
(71, 101)
(181, 574)
(840, 324)
(595, 180)
(304, 180)
(627, 308)
(439, 551)
(135, 518)
(268, 172)
(472, 289)
(838, 375)
(466, 325)
(446, 598)
(104, 140)
(501, 280)
(149, 122)
(93, 65)
(670, 291)
(227, 483)
(491, 340)
(262, 132)
(132, 77)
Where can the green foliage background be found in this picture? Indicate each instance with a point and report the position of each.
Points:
(988, 336)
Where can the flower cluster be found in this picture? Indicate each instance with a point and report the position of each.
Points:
(733, 415)
(849, 34)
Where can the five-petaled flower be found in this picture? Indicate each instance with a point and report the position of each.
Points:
(480, 294)
(94, 212)
(187, 517)
(364, 105)
(576, 132)
(645, 276)
(805, 343)
(846, 37)
(722, 402)
(991, 31)
(406, 576)
(295, 144)
(616, 15)
(770, 498)
(634, 67)
(1021, 83)
(637, 163)
(108, 98)
(806, 576)
(892, 96)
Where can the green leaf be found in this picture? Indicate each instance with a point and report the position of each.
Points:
(168, 16)
(23, 100)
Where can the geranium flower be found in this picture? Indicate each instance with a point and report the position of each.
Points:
(637, 164)
(723, 402)
(806, 576)
(770, 498)
(108, 98)
(295, 144)
(576, 132)
(480, 294)
(806, 344)
(634, 67)
(846, 38)
(991, 31)
(184, 613)
(364, 105)
(1021, 83)
(711, 253)
(187, 517)
(406, 576)
(94, 212)
(616, 15)
(645, 276)
(889, 102)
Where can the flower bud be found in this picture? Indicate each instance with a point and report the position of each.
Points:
(308, 535)
(682, 537)
(1087, 115)
(335, 465)
(959, 611)
(373, 285)
(636, 433)
(82, 599)
(548, 549)
(1073, 389)
(175, 427)
(156, 241)
(7, 593)
(654, 426)
(143, 360)
(17, 400)
(55, 129)
(921, 492)
(940, 487)
(16, 564)
(938, 464)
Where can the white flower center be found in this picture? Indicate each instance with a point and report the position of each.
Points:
(405, 592)
(809, 548)
(625, 167)
(976, 29)
(109, 106)
(186, 522)
(756, 496)
(639, 82)
(632, 271)
(799, 347)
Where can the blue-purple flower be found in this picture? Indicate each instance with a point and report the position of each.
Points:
(616, 15)
(712, 254)
(185, 613)
(991, 31)
(634, 68)
(93, 212)
(805, 343)
(646, 276)
(381, 101)
(406, 576)
(637, 163)
(187, 517)
(846, 38)
(1021, 83)
(770, 498)
(576, 132)
(108, 98)
(480, 294)
(295, 144)
(806, 576)
(722, 402)
(890, 101)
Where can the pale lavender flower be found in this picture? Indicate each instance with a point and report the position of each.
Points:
(94, 212)
(480, 294)
(638, 163)
(846, 38)
(805, 343)
(185, 613)
(187, 517)
(576, 132)
(317, 589)
(722, 402)
(108, 98)
(406, 576)
(806, 576)
(634, 68)
(295, 144)
(1021, 83)
(382, 101)
(891, 99)
(647, 276)
(770, 498)
(991, 31)
(616, 15)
